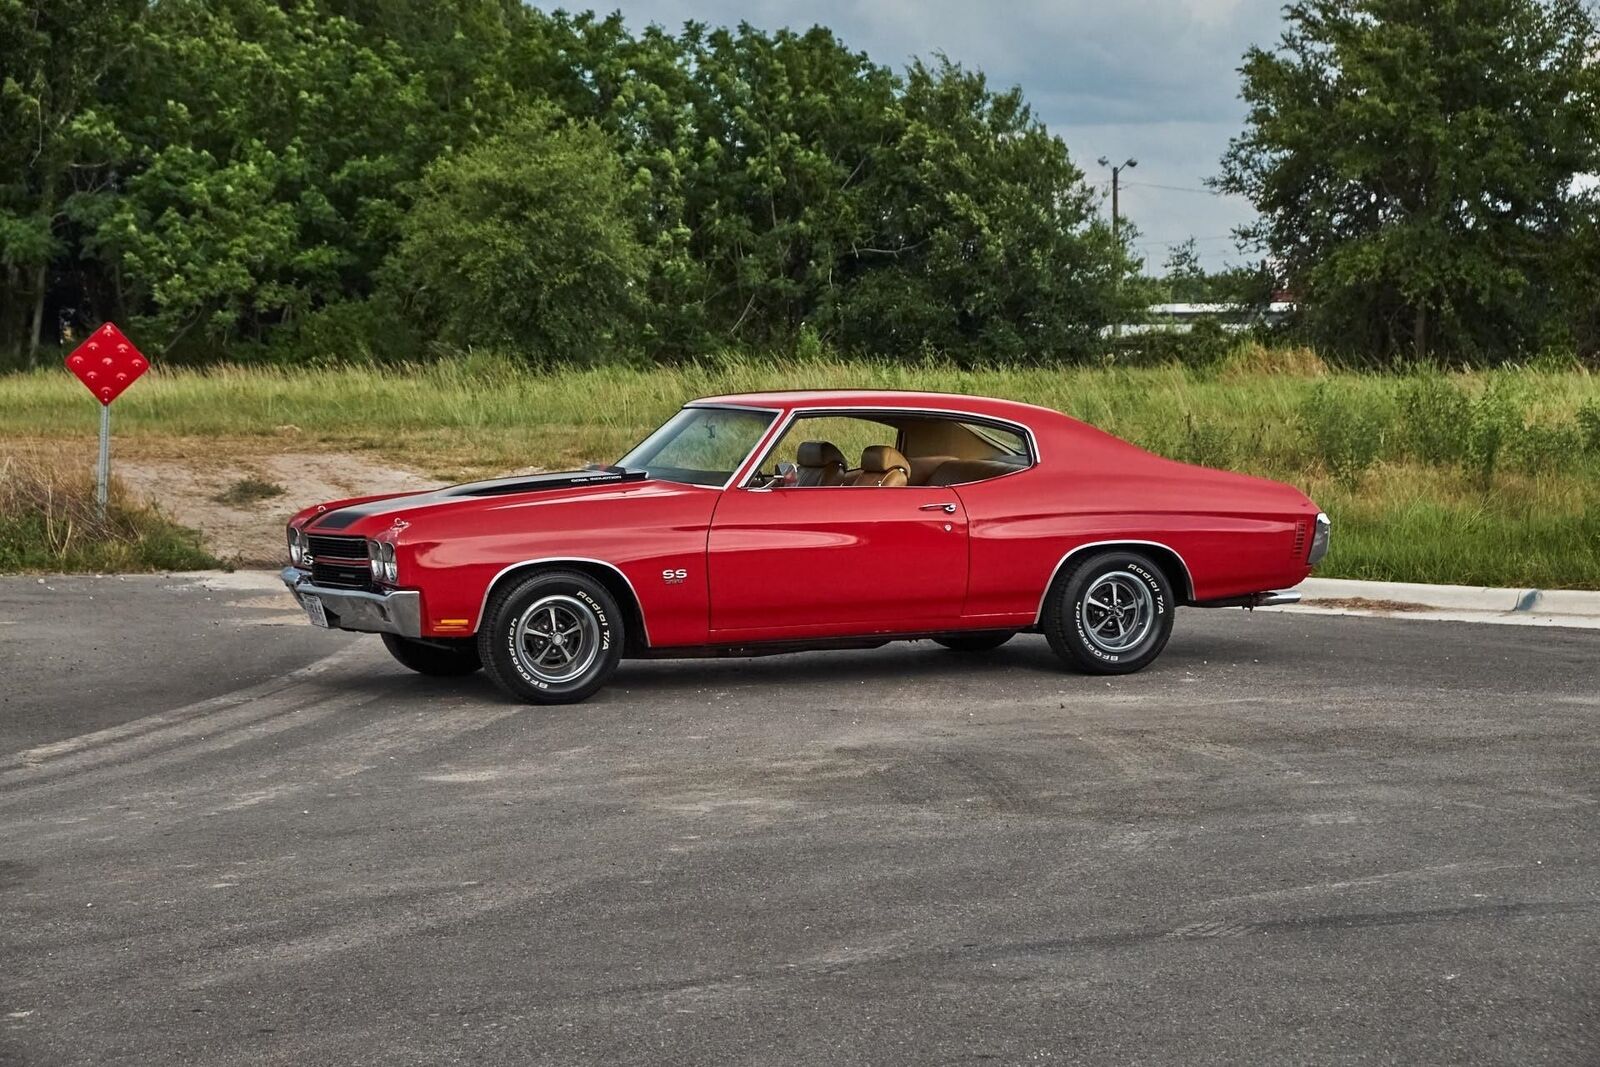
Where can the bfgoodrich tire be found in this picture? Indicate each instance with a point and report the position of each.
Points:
(1109, 613)
(983, 642)
(450, 658)
(553, 637)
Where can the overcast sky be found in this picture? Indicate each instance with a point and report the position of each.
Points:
(1153, 79)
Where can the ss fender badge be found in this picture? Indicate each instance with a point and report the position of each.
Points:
(674, 576)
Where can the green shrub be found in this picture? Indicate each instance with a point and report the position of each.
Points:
(808, 346)
(1206, 347)
(1543, 448)
(1206, 444)
(375, 330)
(1435, 419)
(1345, 431)
(524, 241)
(1496, 421)
(1589, 425)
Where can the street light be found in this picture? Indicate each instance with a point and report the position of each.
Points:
(1116, 189)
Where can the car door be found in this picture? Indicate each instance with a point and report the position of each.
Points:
(799, 562)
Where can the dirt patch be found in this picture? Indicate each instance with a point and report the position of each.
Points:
(247, 532)
(1361, 603)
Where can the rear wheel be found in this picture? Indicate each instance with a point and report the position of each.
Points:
(553, 637)
(446, 658)
(1109, 613)
(982, 642)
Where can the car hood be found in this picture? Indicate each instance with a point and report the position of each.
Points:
(343, 515)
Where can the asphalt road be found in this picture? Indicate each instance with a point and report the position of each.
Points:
(1296, 839)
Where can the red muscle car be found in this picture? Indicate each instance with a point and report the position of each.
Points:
(775, 522)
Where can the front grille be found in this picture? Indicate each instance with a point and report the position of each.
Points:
(340, 562)
(1299, 540)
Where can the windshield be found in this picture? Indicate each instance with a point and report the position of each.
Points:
(700, 446)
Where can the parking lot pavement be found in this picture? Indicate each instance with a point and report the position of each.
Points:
(1295, 839)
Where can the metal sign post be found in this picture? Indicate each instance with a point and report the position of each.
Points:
(107, 363)
(102, 483)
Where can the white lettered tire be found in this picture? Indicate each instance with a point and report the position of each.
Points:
(1110, 613)
(552, 637)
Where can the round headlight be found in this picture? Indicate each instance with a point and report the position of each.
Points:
(391, 571)
(375, 559)
(295, 552)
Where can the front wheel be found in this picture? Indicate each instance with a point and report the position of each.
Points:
(447, 658)
(553, 637)
(1109, 613)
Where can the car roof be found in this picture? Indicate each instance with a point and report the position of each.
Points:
(954, 403)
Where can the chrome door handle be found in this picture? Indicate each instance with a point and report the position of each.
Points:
(948, 509)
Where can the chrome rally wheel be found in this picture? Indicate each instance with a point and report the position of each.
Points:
(1117, 612)
(557, 639)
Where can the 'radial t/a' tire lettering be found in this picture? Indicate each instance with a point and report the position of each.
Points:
(553, 637)
(1110, 613)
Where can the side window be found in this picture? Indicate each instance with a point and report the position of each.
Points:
(1009, 442)
(829, 450)
(950, 451)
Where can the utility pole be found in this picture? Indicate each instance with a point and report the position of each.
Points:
(1116, 224)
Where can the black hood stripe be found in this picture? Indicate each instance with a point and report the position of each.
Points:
(344, 518)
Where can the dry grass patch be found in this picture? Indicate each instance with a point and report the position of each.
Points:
(49, 522)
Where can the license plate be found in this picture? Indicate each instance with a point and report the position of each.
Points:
(315, 611)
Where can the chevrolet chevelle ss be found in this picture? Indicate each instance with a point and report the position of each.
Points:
(783, 521)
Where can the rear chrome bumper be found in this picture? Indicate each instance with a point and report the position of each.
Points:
(397, 612)
(1252, 600)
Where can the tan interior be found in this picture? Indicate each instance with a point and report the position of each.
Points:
(961, 471)
(922, 467)
(819, 463)
(882, 466)
(943, 437)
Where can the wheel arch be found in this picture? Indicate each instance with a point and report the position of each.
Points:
(1172, 564)
(607, 574)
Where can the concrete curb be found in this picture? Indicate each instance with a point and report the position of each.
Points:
(1572, 608)
(1579, 602)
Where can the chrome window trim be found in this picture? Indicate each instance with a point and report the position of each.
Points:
(1188, 575)
(867, 412)
(488, 589)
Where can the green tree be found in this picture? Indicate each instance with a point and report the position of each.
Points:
(1412, 161)
(269, 147)
(526, 240)
(55, 139)
(982, 238)
(1580, 274)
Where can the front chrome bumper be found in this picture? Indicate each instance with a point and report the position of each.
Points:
(397, 612)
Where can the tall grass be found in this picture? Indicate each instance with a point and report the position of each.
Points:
(1490, 477)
